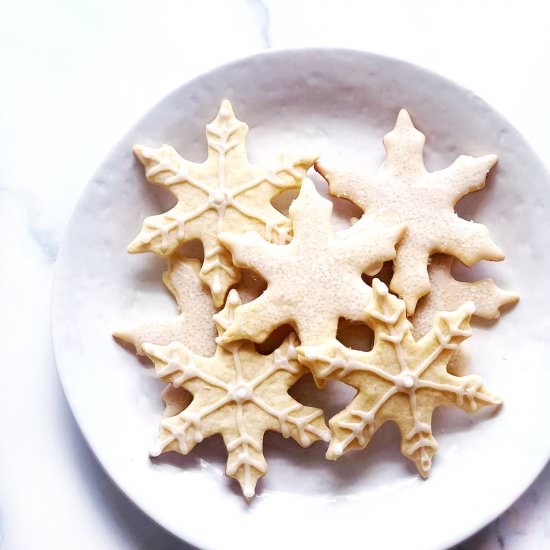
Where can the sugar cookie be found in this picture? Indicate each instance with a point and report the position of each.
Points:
(193, 325)
(404, 191)
(447, 294)
(314, 280)
(224, 193)
(399, 380)
(239, 394)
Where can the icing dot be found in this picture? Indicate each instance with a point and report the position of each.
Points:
(240, 392)
(218, 198)
(405, 381)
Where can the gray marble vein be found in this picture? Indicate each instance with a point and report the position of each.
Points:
(262, 15)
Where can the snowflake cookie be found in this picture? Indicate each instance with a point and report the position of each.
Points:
(399, 380)
(447, 294)
(314, 280)
(224, 193)
(193, 325)
(239, 394)
(404, 191)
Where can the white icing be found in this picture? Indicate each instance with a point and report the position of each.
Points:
(236, 393)
(240, 392)
(405, 381)
(408, 380)
(218, 198)
(213, 260)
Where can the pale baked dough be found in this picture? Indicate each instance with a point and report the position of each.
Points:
(239, 394)
(403, 191)
(399, 380)
(224, 193)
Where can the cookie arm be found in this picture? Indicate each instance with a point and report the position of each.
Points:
(251, 251)
(371, 244)
(256, 320)
(465, 175)
(345, 183)
(292, 169)
(163, 165)
(410, 275)
(470, 242)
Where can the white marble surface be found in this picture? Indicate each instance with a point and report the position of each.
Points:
(75, 74)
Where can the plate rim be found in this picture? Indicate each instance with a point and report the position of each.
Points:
(61, 258)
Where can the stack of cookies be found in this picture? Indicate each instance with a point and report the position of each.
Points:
(311, 276)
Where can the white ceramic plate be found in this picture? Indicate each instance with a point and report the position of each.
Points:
(339, 103)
